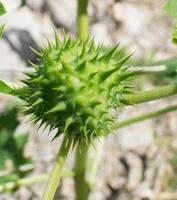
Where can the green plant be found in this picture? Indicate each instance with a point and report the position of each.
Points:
(71, 72)
(2, 12)
(23, 2)
(73, 88)
(12, 146)
(171, 7)
(68, 108)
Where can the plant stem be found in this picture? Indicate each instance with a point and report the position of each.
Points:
(22, 182)
(144, 117)
(150, 95)
(81, 185)
(21, 168)
(57, 170)
(10, 185)
(82, 19)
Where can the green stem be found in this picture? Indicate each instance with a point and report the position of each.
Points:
(81, 185)
(9, 186)
(144, 117)
(57, 171)
(150, 95)
(82, 19)
(21, 168)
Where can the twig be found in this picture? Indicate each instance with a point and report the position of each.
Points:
(145, 116)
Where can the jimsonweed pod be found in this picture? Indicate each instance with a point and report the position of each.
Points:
(75, 85)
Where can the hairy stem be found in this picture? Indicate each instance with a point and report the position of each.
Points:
(81, 185)
(57, 171)
(150, 95)
(82, 19)
(144, 117)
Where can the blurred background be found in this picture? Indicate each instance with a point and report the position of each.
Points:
(139, 162)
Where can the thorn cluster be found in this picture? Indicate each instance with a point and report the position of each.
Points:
(75, 85)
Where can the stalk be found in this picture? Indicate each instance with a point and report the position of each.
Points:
(145, 116)
(82, 19)
(57, 170)
(81, 185)
(9, 186)
(28, 181)
(151, 95)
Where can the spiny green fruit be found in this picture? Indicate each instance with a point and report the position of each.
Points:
(74, 86)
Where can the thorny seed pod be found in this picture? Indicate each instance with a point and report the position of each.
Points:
(74, 86)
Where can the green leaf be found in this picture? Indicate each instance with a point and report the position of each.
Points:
(1, 30)
(2, 9)
(174, 34)
(4, 88)
(171, 7)
(2, 12)
(23, 2)
(12, 144)
(21, 140)
(4, 136)
(5, 155)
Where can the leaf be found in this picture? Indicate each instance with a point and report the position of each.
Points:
(171, 7)
(2, 9)
(174, 34)
(1, 30)
(5, 155)
(12, 145)
(4, 136)
(2, 12)
(4, 88)
(23, 2)
(21, 140)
